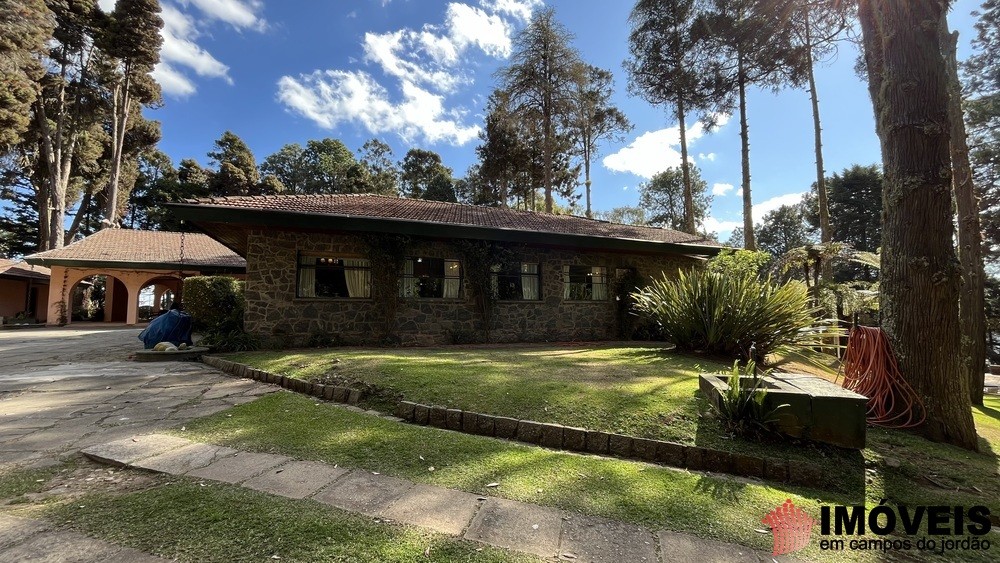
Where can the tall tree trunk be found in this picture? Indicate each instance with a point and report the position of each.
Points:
(81, 212)
(689, 225)
(920, 272)
(825, 232)
(120, 110)
(586, 172)
(749, 238)
(972, 299)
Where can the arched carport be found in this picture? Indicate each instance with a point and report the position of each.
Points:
(131, 259)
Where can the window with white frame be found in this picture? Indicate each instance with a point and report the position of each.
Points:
(520, 281)
(333, 277)
(431, 278)
(585, 283)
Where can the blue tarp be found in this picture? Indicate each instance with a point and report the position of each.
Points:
(173, 327)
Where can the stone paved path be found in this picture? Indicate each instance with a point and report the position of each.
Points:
(23, 539)
(542, 531)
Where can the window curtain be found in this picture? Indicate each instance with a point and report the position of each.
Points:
(408, 287)
(307, 276)
(599, 285)
(452, 278)
(358, 278)
(529, 281)
(567, 286)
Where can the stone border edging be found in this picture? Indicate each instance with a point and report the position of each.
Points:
(554, 436)
(335, 393)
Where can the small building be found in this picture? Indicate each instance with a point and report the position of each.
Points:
(363, 269)
(24, 291)
(130, 261)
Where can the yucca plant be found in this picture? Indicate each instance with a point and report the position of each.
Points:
(741, 407)
(733, 314)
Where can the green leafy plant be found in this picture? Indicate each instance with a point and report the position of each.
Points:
(233, 341)
(739, 316)
(215, 303)
(742, 406)
(481, 258)
(387, 254)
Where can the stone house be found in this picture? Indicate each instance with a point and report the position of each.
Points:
(361, 269)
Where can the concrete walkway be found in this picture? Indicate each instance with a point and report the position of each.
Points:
(23, 539)
(538, 530)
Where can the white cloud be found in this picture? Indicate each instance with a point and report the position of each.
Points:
(241, 14)
(173, 82)
(107, 5)
(725, 227)
(520, 9)
(709, 157)
(181, 30)
(423, 67)
(763, 208)
(330, 98)
(180, 50)
(722, 189)
(655, 151)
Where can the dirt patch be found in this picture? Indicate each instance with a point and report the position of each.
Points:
(85, 477)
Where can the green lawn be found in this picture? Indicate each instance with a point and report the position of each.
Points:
(640, 391)
(645, 390)
(194, 521)
(716, 507)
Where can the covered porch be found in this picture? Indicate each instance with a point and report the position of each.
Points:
(119, 264)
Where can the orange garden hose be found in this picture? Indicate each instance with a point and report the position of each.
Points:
(870, 369)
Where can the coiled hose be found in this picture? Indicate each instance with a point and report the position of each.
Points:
(870, 369)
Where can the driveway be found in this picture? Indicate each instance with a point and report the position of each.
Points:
(63, 389)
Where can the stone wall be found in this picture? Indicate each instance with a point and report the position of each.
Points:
(274, 312)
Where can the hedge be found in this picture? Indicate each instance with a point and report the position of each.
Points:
(215, 303)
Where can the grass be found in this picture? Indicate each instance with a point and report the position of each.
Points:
(16, 482)
(715, 507)
(640, 391)
(644, 391)
(207, 522)
(295, 425)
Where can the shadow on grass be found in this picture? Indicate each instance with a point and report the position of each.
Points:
(843, 469)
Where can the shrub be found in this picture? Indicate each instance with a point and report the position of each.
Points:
(737, 262)
(737, 316)
(741, 407)
(215, 303)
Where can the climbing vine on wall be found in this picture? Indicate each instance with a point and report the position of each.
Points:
(481, 259)
(387, 254)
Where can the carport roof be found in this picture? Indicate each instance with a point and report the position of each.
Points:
(18, 269)
(151, 250)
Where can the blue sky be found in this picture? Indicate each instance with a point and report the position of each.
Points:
(417, 73)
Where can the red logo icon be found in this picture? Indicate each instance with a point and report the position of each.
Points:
(790, 526)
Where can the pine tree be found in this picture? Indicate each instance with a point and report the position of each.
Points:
(595, 118)
(131, 44)
(541, 80)
(920, 274)
(750, 42)
(670, 65)
(26, 25)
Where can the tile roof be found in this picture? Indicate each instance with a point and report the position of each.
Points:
(19, 269)
(418, 210)
(162, 248)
